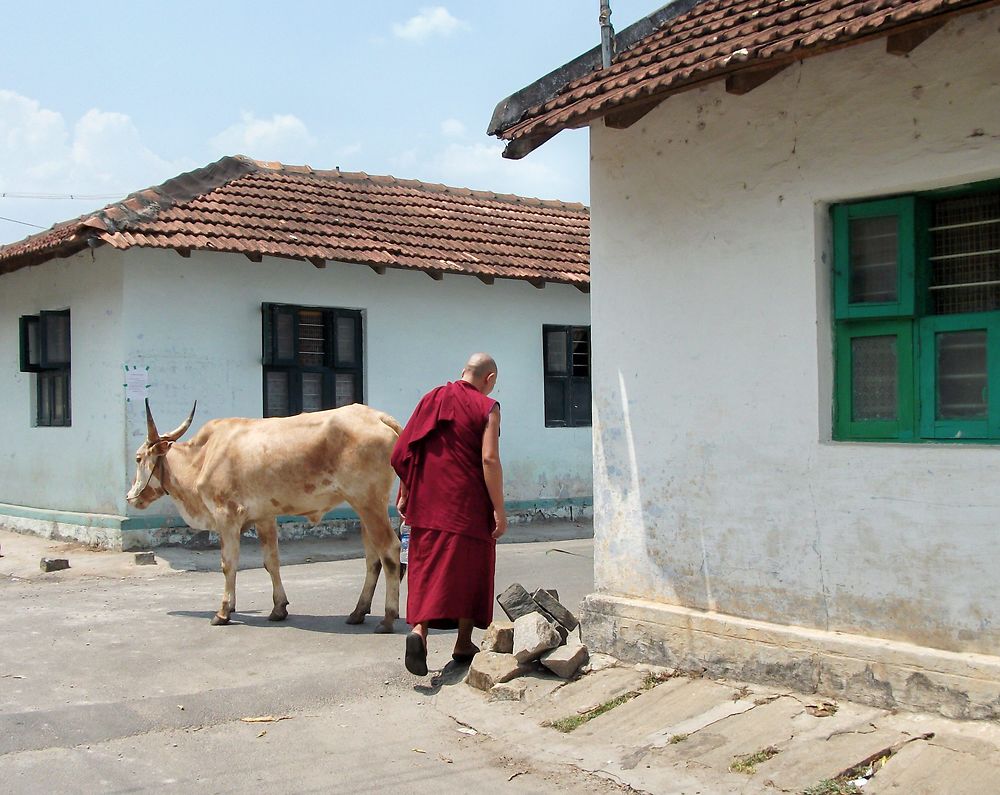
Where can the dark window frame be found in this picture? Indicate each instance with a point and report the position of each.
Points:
(559, 407)
(915, 324)
(53, 385)
(277, 361)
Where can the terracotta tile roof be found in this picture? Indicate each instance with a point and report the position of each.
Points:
(693, 41)
(248, 207)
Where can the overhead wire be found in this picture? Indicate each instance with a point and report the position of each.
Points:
(15, 221)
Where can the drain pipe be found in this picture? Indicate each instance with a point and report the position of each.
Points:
(607, 33)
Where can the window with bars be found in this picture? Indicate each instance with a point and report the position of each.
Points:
(313, 359)
(566, 355)
(917, 315)
(45, 352)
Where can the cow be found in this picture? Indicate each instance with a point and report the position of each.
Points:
(237, 473)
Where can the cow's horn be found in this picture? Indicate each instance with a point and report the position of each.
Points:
(176, 434)
(152, 436)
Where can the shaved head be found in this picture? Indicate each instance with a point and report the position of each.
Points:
(480, 365)
(481, 372)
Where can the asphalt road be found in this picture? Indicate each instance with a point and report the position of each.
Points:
(113, 680)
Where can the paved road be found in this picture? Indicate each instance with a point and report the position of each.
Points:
(112, 680)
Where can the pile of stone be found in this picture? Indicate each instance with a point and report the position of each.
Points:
(537, 632)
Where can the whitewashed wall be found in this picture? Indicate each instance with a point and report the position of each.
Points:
(196, 323)
(717, 485)
(75, 469)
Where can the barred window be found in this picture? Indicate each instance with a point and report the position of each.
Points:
(313, 358)
(917, 314)
(566, 357)
(45, 352)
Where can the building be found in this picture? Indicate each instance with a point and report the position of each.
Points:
(261, 289)
(796, 310)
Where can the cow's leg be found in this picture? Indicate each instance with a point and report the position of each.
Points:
(230, 542)
(267, 532)
(373, 567)
(382, 538)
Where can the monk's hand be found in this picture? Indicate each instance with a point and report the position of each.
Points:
(501, 518)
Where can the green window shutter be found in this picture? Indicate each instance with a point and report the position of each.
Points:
(960, 376)
(875, 388)
(875, 254)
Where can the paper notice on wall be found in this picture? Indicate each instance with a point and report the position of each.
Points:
(136, 383)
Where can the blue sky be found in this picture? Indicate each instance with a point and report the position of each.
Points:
(107, 98)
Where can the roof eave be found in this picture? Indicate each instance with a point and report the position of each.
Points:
(511, 110)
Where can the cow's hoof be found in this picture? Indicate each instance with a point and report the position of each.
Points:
(356, 618)
(278, 615)
(384, 629)
(219, 621)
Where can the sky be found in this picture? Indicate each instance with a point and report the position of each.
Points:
(98, 100)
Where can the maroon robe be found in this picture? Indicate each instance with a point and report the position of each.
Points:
(439, 457)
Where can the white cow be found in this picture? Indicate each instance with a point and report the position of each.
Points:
(238, 473)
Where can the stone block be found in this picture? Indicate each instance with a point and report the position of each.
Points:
(533, 635)
(516, 602)
(553, 607)
(490, 668)
(145, 559)
(565, 661)
(499, 637)
(563, 634)
(53, 564)
(508, 691)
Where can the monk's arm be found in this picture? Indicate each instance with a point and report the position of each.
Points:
(401, 499)
(493, 471)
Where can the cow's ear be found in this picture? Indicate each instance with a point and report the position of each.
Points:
(161, 447)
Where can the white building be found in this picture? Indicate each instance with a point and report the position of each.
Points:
(260, 289)
(796, 315)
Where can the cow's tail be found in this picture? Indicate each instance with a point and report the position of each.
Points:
(391, 422)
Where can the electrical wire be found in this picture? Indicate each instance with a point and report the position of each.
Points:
(60, 196)
(15, 221)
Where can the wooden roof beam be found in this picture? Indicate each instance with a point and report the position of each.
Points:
(583, 288)
(538, 284)
(625, 118)
(520, 147)
(379, 269)
(318, 262)
(435, 275)
(254, 256)
(745, 81)
(184, 252)
(484, 279)
(904, 42)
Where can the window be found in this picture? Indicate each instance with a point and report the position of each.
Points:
(45, 352)
(917, 315)
(566, 354)
(312, 359)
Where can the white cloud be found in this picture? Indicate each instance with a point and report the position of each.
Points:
(432, 21)
(452, 128)
(40, 152)
(480, 166)
(283, 137)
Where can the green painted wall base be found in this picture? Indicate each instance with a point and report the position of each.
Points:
(143, 531)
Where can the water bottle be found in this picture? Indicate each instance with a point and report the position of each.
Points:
(404, 543)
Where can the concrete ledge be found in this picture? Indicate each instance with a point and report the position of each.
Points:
(143, 531)
(883, 673)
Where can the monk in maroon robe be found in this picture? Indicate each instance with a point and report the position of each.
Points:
(451, 495)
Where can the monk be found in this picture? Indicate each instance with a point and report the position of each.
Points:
(451, 495)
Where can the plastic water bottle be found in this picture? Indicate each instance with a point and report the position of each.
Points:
(404, 543)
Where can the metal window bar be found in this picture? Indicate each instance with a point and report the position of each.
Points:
(965, 254)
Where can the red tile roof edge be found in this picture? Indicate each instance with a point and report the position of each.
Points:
(609, 90)
(111, 224)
